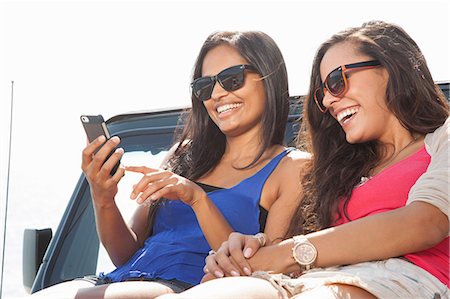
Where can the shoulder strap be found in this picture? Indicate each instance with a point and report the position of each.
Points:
(255, 183)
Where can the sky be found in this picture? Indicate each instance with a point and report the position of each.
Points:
(69, 58)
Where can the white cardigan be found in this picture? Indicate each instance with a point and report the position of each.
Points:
(433, 186)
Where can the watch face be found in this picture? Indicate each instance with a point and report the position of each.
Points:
(306, 254)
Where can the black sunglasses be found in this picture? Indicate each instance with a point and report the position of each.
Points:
(230, 79)
(336, 83)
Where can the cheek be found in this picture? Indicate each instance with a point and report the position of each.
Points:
(379, 101)
(256, 90)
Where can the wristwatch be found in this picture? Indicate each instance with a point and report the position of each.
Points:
(304, 253)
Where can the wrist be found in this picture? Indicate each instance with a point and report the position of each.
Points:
(104, 204)
(198, 200)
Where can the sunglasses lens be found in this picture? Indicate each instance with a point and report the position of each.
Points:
(202, 88)
(335, 83)
(232, 79)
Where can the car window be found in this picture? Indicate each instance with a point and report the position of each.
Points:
(125, 204)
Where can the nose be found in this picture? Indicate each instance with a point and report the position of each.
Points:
(218, 91)
(328, 100)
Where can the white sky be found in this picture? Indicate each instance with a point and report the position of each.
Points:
(69, 58)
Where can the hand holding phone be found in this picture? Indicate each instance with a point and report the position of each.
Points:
(95, 126)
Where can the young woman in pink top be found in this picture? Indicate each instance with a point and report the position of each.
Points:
(376, 126)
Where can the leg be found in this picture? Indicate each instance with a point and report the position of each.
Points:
(128, 289)
(230, 287)
(63, 290)
(336, 291)
(118, 290)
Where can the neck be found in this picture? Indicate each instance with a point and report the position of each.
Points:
(242, 149)
(398, 145)
(397, 151)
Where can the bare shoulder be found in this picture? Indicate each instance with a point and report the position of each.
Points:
(283, 185)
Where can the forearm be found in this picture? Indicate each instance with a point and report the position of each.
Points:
(214, 226)
(116, 236)
(409, 229)
(395, 233)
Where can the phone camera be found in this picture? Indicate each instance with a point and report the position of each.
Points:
(85, 119)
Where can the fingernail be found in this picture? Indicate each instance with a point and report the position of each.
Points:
(248, 252)
(234, 273)
(119, 150)
(115, 139)
(101, 138)
(247, 271)
(132, 195)
(217, 273)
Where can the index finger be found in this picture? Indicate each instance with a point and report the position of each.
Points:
(140, 169)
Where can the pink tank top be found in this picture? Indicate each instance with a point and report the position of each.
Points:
(389, 190)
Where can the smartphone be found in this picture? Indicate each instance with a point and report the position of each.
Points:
(95, 125)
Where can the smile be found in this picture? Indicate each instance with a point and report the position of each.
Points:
(228, 107)
(346, 114)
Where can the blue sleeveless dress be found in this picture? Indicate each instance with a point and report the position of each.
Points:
(177, 249)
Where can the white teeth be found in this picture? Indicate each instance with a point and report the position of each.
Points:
(227, 107)
(341, 115)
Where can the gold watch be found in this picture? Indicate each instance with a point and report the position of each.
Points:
(304, 253)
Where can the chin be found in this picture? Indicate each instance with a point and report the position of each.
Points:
(352, 139)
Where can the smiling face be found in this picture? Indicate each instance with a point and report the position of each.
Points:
(234, 112)
(361, 110)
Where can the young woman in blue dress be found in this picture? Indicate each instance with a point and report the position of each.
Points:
(229, 171)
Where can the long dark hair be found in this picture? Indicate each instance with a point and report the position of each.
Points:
(337, 166)
(201, 144)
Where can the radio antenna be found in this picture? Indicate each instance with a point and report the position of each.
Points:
(7, 187)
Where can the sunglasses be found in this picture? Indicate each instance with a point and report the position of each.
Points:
(230, 79)
(336, 83)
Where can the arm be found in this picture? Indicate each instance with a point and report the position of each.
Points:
(412, 228)
(279, 196)
(433, 186)
(214, 226)
(281, 193)
(421, 224)
(159, 183)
